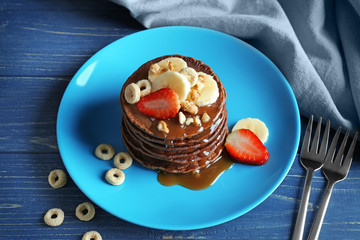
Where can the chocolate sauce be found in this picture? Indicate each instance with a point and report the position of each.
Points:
(199, 179)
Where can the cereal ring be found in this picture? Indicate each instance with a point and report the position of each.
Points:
(115, 176)
(132, 93)
(145, 87)
(57, 178)
(92, 235)
(105, 151)
(54, 217)
(123, 160)
(85, 211)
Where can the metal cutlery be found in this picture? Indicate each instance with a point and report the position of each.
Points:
(335, 169)
(311, 159)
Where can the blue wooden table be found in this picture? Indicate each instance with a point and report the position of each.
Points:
(42, 44)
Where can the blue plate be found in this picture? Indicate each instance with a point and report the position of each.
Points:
(90, 114)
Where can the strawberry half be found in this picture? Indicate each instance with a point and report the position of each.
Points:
(244, 146)
(161, 104)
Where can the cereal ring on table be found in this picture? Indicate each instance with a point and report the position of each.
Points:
(57, 178)
(92, 235)
(145, 87)
(105, 151)
(132, 93)
(123, 160)
(54, 217)
(85, 211)
(115, 176)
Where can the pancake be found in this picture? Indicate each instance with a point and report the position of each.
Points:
(170, 153)
(184, 148)
(190, 163)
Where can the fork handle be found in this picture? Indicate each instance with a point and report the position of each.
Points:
(316, 227)
(300, 220)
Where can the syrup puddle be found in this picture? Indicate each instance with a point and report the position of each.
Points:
(199, 180)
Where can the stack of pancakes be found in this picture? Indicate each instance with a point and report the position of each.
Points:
(185, 148)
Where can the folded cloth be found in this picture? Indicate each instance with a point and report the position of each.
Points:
(315, 44)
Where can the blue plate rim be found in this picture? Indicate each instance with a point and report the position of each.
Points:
(229, 217)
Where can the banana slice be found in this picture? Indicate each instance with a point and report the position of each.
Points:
(190, 74)
(173, 80)
(255, 125)
(167, 64)
(208, 88)
(173, 64)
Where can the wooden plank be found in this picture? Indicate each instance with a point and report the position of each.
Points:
(57, 43)
(28, 107)
(25, 196)
(59, 5)
(42, 45)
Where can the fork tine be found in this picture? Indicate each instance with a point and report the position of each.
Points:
(331, 152)
(340, 153)
(324, 142)
(315, 141)
(349, 155)
(306, 142)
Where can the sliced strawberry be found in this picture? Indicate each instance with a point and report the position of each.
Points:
(244, 146)
(161, 104)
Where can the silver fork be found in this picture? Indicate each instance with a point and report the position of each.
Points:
(311, 160)
(335, 170)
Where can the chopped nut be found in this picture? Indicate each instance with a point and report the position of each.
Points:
(205, 117)
(182, 118)
(194, 95)
(154, 71)
(189, 121)
(197, 121)
(189, 107)
(162, 127)
(170, 66)
(154, 68)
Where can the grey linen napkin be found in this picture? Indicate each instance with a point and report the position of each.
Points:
(315, 43)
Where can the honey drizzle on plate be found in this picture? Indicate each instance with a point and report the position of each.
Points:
(200, 179)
